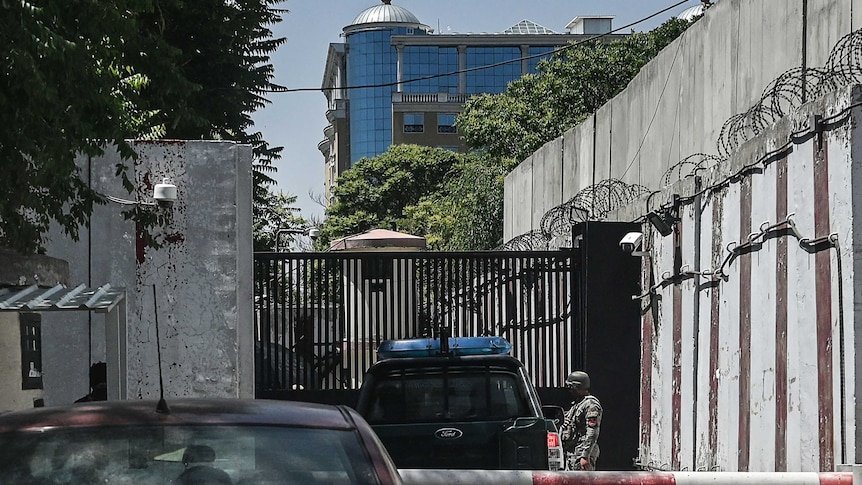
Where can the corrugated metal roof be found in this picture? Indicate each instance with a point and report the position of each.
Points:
(39, 299)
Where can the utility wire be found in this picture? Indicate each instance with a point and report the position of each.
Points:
(478, 68)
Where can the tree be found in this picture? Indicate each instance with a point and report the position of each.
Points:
(214, 73)
(278, 212)
(567, 89)
(66, 89)
(82, 76)
(210, 78)
(458, 204)
(375, 191)
(466, 214)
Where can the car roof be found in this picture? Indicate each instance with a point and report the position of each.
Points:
(504, 361)
(182, 412)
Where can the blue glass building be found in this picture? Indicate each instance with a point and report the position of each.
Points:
(393, 80)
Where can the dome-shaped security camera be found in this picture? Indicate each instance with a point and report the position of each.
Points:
(165, 193)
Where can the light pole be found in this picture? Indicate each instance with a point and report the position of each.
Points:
(311, 231)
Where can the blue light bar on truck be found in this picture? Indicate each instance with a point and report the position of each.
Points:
(430, 347)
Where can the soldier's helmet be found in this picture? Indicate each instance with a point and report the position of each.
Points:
(578, 380)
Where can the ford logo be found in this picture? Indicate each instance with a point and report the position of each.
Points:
(448, 433)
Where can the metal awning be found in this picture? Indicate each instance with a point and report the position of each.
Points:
(40, 299)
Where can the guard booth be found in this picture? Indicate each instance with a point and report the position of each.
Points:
(20, 320)
(23, 299)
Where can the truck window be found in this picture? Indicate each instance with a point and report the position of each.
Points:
(403, 397)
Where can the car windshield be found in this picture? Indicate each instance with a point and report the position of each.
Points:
(235, 455)
(445, 395)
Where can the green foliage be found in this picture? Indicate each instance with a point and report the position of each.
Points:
(210, 71)
(467, 213)
(82, 75)
(456, 201)
(277, 212)
(568, 88)
(65, 90)
(375, 191)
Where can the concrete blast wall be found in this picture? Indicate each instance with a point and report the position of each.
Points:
(202, 275)
(750, 315)
(749, 338)
(679, 102)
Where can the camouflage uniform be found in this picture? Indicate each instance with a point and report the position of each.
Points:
(580, 432)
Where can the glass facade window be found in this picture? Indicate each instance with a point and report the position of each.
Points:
(534, 61)
(492, 79)
(371, 60)
(414, 122)
(446, 123)
(419, 62)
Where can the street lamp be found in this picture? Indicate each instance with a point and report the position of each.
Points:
(311, 231)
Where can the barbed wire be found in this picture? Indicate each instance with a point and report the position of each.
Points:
(688, 167)
(793, 88)
(606, 196)
(534, 240)
(782, 96)
(591, 203)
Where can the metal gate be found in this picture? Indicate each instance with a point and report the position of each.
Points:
(319, 317)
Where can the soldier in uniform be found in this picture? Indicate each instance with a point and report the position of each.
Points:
(580, 431)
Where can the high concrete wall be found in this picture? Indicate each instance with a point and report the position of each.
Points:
(750, 307)
(202, 275)
(676, 106)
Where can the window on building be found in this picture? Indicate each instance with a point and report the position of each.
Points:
(376, 268)
(414, 122)
(31, 350)
(376, 271)
(446, 123)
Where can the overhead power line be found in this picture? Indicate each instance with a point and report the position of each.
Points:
(281, 89)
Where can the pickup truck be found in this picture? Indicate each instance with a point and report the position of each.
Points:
(465, 404)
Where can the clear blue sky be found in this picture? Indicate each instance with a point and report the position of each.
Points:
(296, 120)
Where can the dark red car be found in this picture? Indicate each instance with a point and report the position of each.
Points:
(200, 441)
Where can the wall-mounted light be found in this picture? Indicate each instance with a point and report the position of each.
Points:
(164, 194)
(310, 231)
(663, 223)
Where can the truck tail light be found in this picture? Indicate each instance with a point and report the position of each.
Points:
(553, 440)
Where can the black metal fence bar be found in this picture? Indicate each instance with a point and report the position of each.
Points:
(319, 317)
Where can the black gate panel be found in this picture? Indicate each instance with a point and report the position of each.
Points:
(319, 317)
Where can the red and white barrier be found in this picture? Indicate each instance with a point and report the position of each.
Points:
(528, 477)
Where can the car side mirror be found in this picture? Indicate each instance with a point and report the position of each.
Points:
(554, 413)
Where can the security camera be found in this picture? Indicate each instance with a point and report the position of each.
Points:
(165, 193)
(313, 233)
(631, 242)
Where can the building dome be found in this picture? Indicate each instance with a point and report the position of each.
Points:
(386, 13)
(691, 13)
